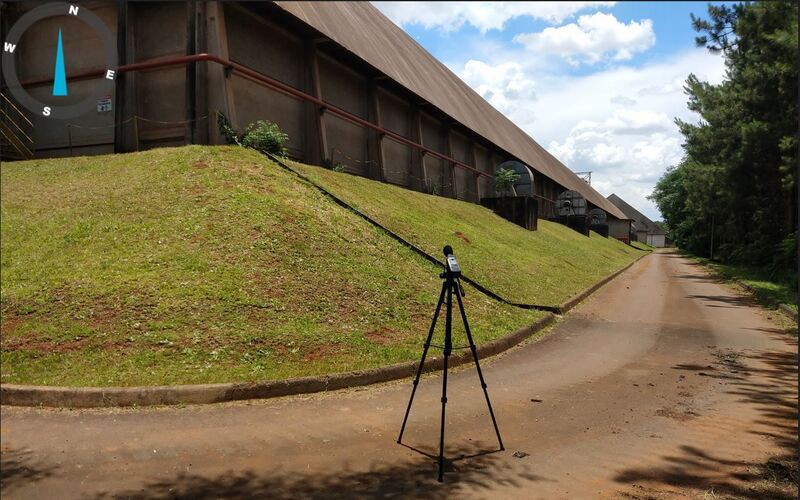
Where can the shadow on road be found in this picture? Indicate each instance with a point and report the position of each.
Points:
(411, 479)
(702, 278)
(766, 380)
(731, 300)
(18, 468)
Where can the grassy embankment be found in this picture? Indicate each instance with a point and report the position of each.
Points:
(546, 267)
(642, 246)
(768, 288)
(211, 264)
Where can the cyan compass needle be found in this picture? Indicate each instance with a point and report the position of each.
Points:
(60, 77)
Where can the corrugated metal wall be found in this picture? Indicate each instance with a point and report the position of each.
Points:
(268, 49)
(396, 116)
(270, 46)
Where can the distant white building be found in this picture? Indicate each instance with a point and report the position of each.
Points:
(643, 229)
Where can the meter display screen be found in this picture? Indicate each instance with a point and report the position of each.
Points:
(452, 264)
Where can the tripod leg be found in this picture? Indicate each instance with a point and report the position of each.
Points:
(478, 367)
(426, 346)
(448, 345)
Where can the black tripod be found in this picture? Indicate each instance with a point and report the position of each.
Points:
(450, 286)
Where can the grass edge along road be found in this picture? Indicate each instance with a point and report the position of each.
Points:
(757, 283)
(212, 264)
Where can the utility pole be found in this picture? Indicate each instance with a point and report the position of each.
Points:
(712, 238)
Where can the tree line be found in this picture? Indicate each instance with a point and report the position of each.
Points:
(735, 191)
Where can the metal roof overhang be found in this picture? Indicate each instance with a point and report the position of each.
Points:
(366, 32)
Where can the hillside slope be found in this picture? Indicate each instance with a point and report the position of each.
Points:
(212, 264)
(544, 267)
(201, 264)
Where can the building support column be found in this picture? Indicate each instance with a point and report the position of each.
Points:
(449, 168)
(476, 177)
(204, 119)
(377, 168)
(190, 78)
(316, 87)
(500, 158)
(121, 83)
(419, 173)
(311, 140)
(221, 93)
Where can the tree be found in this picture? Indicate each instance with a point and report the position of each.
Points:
(504, 180)
(740, 158)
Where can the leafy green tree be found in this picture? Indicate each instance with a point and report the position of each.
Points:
(740, 165)
(504, 180)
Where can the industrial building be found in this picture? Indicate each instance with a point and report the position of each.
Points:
(347, 85)
(643, 229)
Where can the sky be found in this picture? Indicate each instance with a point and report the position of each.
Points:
(599, 84)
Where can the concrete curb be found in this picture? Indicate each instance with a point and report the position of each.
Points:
(91, 397)
(781, 308)
(785, 309)
(95, 397)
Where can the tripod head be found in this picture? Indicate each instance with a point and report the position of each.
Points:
(452, 271)
(451, 266)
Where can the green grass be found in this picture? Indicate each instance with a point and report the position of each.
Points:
(544, 267)
(769, 289)
(641, 246)
(212, 264)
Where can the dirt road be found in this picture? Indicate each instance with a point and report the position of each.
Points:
(663, 384)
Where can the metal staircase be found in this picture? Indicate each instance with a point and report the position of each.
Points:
(16, 132)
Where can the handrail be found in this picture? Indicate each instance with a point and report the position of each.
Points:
(12, 121)
(6, 132)
(268, 81)
(20, 113)
(8, 118)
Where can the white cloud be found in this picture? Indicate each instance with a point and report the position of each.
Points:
(617, 123)
(593, 38)
(505, 86)
(450, 16)
(606, 154)
(623, 100)
(633, 121)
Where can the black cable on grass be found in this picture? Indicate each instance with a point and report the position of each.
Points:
(408, 244)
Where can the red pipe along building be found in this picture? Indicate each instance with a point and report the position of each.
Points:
(347, 85)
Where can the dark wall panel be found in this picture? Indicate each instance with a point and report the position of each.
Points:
(342, 87)
(151, 35)
(395, 113)
(255, 102)
(160, 98)
(264, 47)
(348, 144)
(397, 168)
(433, 137)
(160, 93)
(464, 179)
(548, 189)
(484, 164)
(396, 116)
(345, 89)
